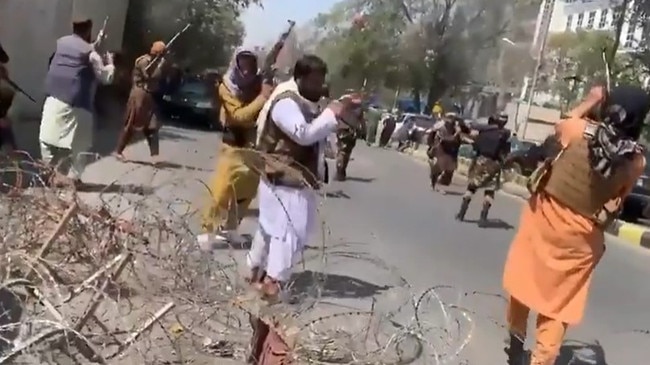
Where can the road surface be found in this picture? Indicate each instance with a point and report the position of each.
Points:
(387, 211)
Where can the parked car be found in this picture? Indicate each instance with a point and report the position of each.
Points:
(193, 103)
(523, 159)
(411, 128)
(637, 204)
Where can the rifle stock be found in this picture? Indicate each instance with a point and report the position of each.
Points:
(268, 71)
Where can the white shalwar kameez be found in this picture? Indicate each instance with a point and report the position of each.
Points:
(66, 132)
(288, 216)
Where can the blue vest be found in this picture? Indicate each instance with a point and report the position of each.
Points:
(71, 77)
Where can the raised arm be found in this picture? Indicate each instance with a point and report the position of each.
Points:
(240, 115)
(103, 73)
(289, 118)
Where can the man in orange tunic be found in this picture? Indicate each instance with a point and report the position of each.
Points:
(561, 233)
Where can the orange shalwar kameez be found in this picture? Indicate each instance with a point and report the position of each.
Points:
(552, 258)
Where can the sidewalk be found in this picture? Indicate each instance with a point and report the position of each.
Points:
(633, 234)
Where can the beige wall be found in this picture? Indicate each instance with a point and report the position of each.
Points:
(28, 32)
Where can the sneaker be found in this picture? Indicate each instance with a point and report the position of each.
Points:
(206, 241)
(231, 237)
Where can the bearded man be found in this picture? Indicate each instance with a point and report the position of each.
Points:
(141, 110)
(66, 131)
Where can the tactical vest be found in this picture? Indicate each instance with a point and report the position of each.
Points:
(290, 164)
(70, 77)
(492, 142)
(570, 180)
(149, 83)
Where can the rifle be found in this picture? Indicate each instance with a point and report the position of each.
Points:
(4, 58)
(102, 33)
(168, 45)
(268, 71)
(19, 89)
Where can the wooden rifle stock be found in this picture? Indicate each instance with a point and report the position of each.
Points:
(268, 71)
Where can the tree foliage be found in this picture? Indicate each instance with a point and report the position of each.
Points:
(428, 47)
(576, 60)
(214, 33)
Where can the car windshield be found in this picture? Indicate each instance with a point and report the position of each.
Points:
(521, 145)
(420, 121)
(194, 89)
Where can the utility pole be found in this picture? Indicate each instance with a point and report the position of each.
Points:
(545, 24)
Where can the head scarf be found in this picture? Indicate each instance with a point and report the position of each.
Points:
(157, 48)
(615, 139)
(234, 78)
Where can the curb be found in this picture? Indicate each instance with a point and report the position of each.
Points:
(630, 233)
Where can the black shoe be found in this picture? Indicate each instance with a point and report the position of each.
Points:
(483, 220)
(463, 209)
(516, 353)
(340, 175)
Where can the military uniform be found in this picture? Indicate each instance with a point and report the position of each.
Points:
(491, 145)
(346, 139)
(444, 144)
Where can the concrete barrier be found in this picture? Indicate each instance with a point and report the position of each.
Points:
(634, 234)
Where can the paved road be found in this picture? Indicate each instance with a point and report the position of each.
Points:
(387, 210)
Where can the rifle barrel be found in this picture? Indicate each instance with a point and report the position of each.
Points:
(20, 89)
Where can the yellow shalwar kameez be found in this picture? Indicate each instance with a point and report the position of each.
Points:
(234, 185)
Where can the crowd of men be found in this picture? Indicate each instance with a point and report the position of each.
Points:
(275, 142)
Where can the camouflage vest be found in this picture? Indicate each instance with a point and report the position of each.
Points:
(570, 180)
(289, 164)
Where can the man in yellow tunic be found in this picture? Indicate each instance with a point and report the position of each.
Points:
(561, 234)
(242, 95)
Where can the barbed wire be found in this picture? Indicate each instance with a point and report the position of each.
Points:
(121, 279)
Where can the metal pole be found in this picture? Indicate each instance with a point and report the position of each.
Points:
(538, 67)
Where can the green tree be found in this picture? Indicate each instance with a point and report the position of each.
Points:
(425, 46)
(214, 33)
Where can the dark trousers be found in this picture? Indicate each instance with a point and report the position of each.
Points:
(151, 135)
(7, 137)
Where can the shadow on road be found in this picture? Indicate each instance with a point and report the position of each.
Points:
(115, 188)
(339, 194)
(334, 285)
(493, 224)
(167, 165)
(361, 179)
(581, 353)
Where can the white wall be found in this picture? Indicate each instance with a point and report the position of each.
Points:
(28, 32)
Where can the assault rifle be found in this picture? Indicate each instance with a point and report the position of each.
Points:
(268, 70)
(101, 35)
(4, 58)
(167, 46)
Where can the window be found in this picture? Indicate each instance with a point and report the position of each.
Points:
(581, 18)
(615, 16)
(603, 19)
(629, 38)
(591, 20)
(569, 20)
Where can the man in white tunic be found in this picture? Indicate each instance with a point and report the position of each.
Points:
(294, 133)
(67, 121)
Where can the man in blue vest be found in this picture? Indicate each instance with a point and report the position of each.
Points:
(67, 120)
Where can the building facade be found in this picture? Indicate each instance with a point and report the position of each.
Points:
(29, 30)
(557, 16)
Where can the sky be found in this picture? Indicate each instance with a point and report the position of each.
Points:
(265, 25)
